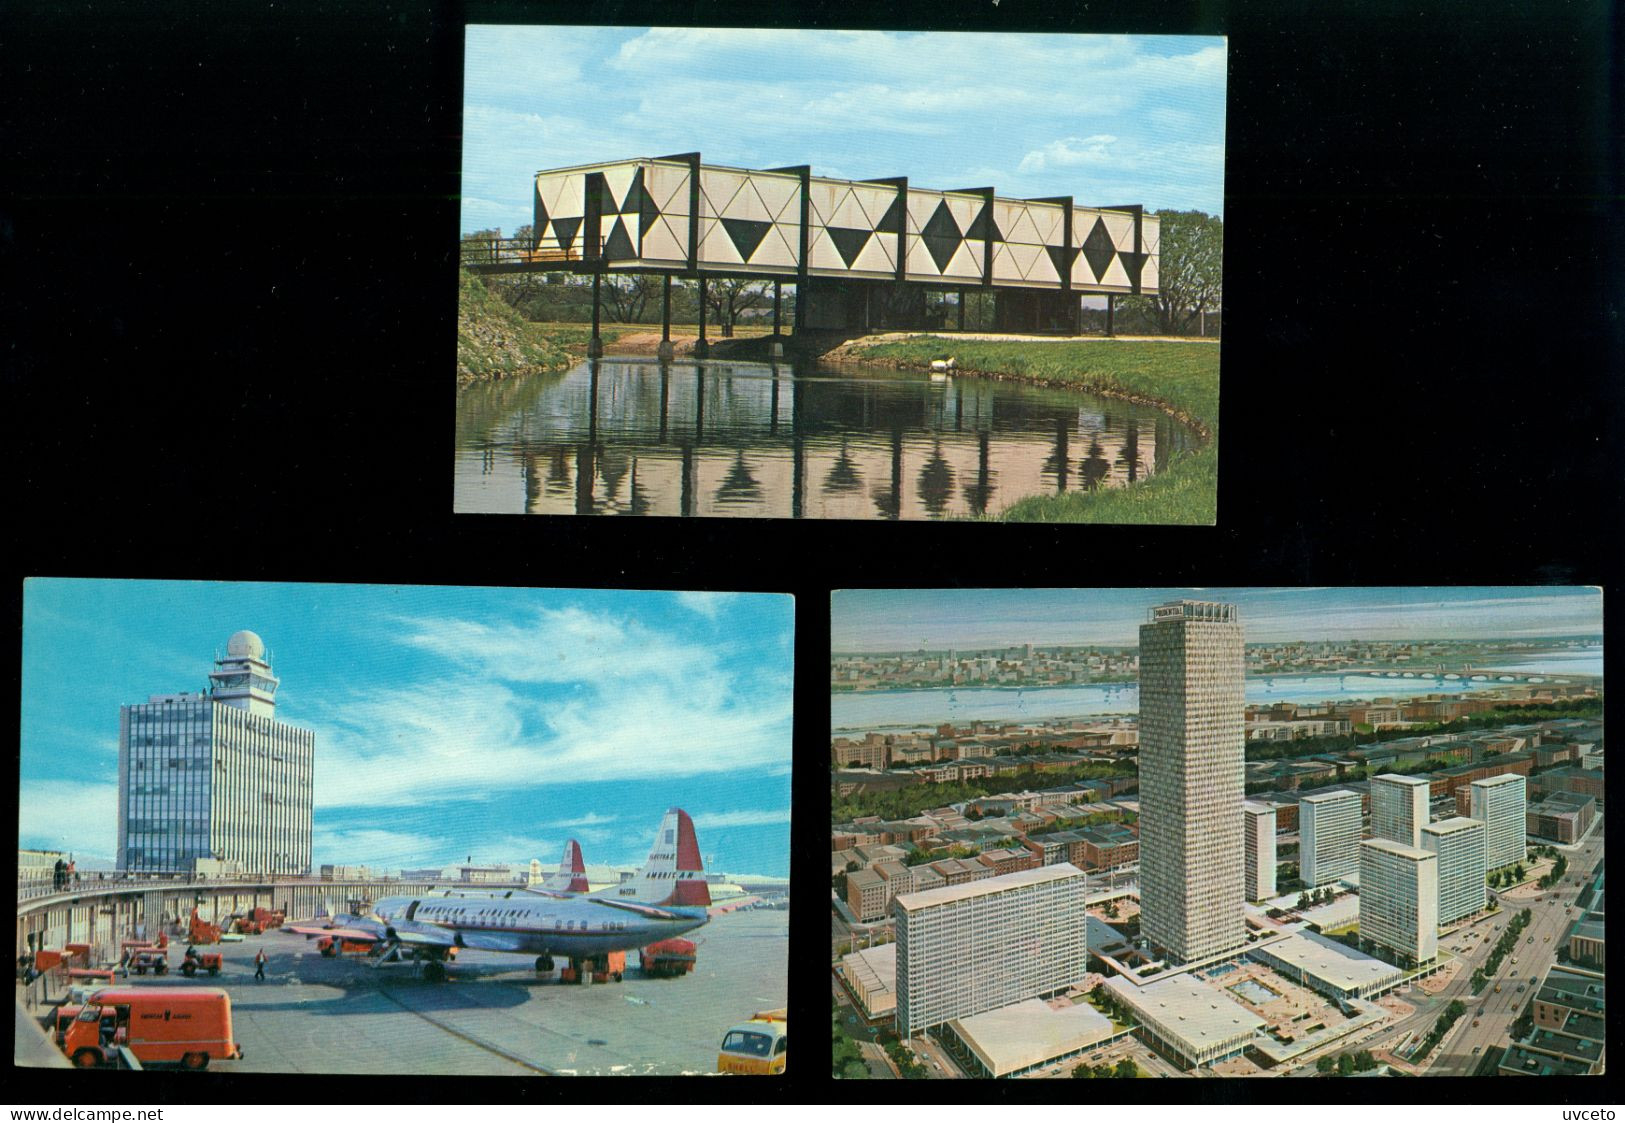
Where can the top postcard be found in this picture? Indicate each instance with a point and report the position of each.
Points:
(840, 275)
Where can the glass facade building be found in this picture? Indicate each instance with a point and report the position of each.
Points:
(215, 776)
(1399, 900)
(1459, 843)
(1399, 808)
(964, 949)
(1328, 837)
(1501, 804)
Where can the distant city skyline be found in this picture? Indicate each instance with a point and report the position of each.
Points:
(1110, 119)
(938, 619)
(450, 722)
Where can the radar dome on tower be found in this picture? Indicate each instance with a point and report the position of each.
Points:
(245, 645)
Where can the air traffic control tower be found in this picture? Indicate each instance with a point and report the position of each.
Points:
(214, 778)
(839, 240)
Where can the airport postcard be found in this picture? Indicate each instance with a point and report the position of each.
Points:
(774, 273)
(468, 831)
(1249, 832)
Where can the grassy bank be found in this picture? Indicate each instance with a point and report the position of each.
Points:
(495, 342)
(1182, 378)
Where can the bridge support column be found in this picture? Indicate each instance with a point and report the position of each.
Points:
(664, 351)
(595, 345)
(701, 347)
(776, 348)
(1111, 309)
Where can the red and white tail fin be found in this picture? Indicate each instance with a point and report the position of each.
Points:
(572, 872)
(674, 874)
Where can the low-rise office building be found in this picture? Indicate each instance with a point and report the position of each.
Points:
(866, 895)
(1187, 1019)
(1562, 817)
(1027, 1036)
(1332, 968)
(871, 976)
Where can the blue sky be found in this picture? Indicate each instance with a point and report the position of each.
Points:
(449, 721)
(882, 620)
(1110, 120)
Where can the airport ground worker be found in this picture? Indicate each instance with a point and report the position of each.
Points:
(259, 964)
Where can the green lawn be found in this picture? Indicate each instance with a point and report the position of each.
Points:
(1181, 377)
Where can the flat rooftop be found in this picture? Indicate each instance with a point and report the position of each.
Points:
(1200, 1016)
(1028, 1033)
(1328, 797)
(1452, 825)
(1395, 778)
(875, 970)
(1020, 879)
(1326, 959)
(1527, 1063)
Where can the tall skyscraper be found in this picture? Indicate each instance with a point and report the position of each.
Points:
(1328, 837)
(215, 775)
(1399, 808)
(964, 949)
(1460, 845)
(1499, 803)
(1399, 899)
(1192, 888)
(1259, 849)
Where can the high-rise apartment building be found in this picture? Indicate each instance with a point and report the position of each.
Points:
(1399, 899)
(1192, 889)
(1499, 803)
(1460, 845)
(963, 949)
(1258, 849)
(1399, 808)
(214, 776)
(1328, 837)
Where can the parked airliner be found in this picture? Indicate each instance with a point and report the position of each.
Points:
(666, 898)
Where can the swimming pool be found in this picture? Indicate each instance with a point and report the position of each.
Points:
(1253, 991)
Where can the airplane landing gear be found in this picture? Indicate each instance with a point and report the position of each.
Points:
(544, 964)
(434, 971)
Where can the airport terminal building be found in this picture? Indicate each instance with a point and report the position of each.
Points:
(212, 780)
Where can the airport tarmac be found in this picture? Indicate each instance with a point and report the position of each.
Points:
(494, 1016)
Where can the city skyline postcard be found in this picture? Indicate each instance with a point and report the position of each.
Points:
(781, 273)
(480, 831)
(1241, 832)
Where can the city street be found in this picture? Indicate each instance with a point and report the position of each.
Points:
(1549, 922)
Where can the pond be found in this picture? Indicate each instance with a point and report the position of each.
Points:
(635, 437)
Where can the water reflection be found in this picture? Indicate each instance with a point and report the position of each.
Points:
(632, 437)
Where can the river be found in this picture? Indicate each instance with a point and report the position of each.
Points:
(920, 709)
(636, 437)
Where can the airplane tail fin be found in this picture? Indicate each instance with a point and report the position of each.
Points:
(572, 872)
(674, 873)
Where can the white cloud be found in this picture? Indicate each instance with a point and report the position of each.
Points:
(717, 820)
(591, 819)
(708, 605)
(1071, 152)
(76, 816)
(383, 850)
(571, 697)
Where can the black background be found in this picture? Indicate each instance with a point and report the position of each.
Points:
(229, 239)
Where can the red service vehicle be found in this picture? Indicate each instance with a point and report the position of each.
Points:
(331, 946)
(142, 960)
(266, 918)
(189, 1026)
(209, 961)
(668, 958)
